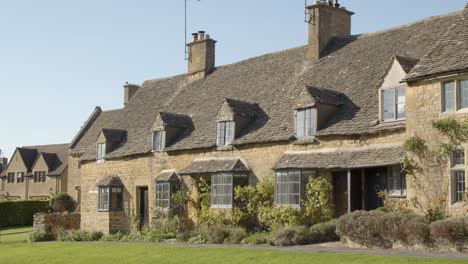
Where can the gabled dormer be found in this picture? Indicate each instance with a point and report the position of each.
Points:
(315, 106)
(167, 127)
(45, 163)
(232, 118)
(392, 91)
(108, 140)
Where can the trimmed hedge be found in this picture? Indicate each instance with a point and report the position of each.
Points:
(20, 213)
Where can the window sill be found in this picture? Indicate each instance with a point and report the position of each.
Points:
(397, 196)
(457, 205)
(456, 112)
(306, 141)
(225, 148)
(391, 121)
(221, 207)
(100, 161)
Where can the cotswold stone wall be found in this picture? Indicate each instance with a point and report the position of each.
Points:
(424, 105)
(141, 171)
(53, 223)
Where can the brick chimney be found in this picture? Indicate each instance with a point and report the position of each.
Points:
(201, 60)
(326, 20)
(129, 91)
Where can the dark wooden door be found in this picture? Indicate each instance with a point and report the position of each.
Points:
(340, 193)
(143, 208)
(376, 180)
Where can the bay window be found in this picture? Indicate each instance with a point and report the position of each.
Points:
(222, 188)
(290, 186)
(110, 198)
(163, 194)
(306, 122)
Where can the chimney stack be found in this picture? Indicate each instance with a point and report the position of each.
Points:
(129, 91)
(201, 61)
(327, 19)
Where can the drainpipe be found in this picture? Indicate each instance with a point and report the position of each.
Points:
(349, 191)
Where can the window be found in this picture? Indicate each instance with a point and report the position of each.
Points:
(101, 151)
(110, 198)
(464, 94)
(394, 104)
(11, 177)
(458, 176)
(39, 176)
(396, 181)
(20, 177)
(222, 188)
(225, 133)
(163, 194)
(305, 122)
(159, 140)
(289, 186)
(449, 96)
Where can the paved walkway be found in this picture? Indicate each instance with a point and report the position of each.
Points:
(336, 247)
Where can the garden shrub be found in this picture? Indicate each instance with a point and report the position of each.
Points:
(113, 237)
(218, 234)
(290, 236)
(62, 202)
(79, 236)
(20, 213)
(260, 238)
(40, 236)
(317, 203)
(323, 232)
(452, 232)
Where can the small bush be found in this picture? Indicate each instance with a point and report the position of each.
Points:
(452, 232)
(61, 202)
(79, 236)
(435, 214)
(290, 236)
(40, 236)
(198, 239)
(113, 237)
(235, 235)
(20, 213)
(219, 234)
(323, 232)
(261, 238)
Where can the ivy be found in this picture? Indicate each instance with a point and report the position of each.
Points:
(415, 145)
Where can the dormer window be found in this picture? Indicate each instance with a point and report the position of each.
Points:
(306, 122)
(159, 140)
(394, 104)
(225, 133)
(101, 151)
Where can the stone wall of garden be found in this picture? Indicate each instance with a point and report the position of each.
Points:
(54, 223)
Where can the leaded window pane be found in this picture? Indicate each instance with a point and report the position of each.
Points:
(459, 186)
(225, 133)
(163, 195)
(401, 103)
(459, 157)
(389, 104)
(288, 188)
(101, 151)
(464, 94)
(305, 122)
(395, 181)
(103, 199)
(159, 140)
(449, 96)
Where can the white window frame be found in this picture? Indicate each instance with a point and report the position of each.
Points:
(163, 195)
(159, 140)
(458, 167)
(100, 151)
(228, 185)
(396, 182)
(305, 122)
(398, 115)
(225, 133)
(282, 189)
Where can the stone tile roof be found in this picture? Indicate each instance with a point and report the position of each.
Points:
(114, 135)
(448, 55)
(176, 120)
(243, 108)
(354, 66)
(201, 166)
(167, 175)
(55, 156)
(325, 96)
(406, 63)
(86, 138)
(342, 158)
(111, 180)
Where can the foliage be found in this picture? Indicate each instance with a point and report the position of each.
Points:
(394, 205)
(415, 145)
(434, 214)
(259, 238)
(20, 213)
(323, 232)
(317, 203)
(452, 232)
(113, 237)
(290, 236)
(134, 223)
(179, 200)
(218, 234)
(61, 202)
(79, 236)
(40, 236)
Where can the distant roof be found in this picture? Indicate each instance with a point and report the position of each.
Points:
(55, 156)
(214, 165)
(353, 66)
(448, 55)
(342, 158)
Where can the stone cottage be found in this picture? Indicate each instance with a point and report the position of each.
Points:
(340, 107)
(36, 172)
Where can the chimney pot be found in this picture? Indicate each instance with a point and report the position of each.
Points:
(201, 60)
(194, 37)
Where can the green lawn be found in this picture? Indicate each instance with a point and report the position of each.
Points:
(61, 252)
(14, 234)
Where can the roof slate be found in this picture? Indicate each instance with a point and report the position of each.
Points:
(168, 175)
(354, 66)
(342, 158)
(55, 156)
(243, 108)
(449, 55)
(111, 180)
(176, 120)
(325, 96)
(214, 165)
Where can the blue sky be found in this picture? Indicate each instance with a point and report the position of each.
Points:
(59, 59)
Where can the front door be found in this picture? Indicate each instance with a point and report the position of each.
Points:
(143, 206)
(340, 193)
(376, 180)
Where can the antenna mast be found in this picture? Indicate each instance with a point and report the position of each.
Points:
(185, 32)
